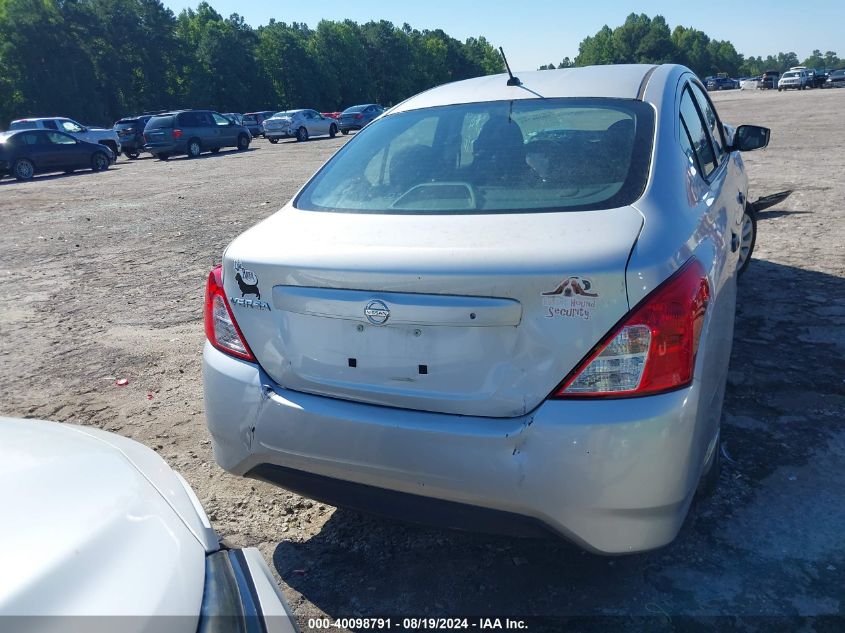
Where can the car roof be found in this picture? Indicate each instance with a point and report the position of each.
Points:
(39, 118)
(621, 81)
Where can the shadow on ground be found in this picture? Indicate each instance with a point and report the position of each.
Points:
(767, 548)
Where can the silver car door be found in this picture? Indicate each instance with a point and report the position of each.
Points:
(716, 206)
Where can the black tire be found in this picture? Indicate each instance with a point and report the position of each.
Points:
(273, 140)
(163, 156)
(132, 155)
(747, 242)
(333, 130)
(709, 481)
(344, 132)
(194, 148)
(243, 142)
(214, 150)
(301, 135)
(23, 169)
(100, 161)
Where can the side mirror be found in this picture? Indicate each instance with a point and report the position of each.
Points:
(749, 137)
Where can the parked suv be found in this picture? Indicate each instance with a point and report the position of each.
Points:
(192, 132)
(254, 121)
(130, 131)
(78, 131)
(798, 79)
(358, 116)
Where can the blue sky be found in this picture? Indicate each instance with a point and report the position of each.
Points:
(535, 32)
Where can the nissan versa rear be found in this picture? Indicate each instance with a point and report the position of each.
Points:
(499, 307)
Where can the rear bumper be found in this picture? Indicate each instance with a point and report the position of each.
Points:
(614, 476)
(169, 148)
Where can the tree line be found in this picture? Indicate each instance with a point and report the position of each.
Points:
(645, 40)
(99, 60)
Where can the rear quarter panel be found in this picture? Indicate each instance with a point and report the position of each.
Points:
(684, 216)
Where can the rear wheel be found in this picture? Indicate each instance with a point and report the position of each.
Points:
(302, 134)
(344, 132)
(747, 238)
(273, 140)
(333, 130)
(132, 154)
(99, 161)
(243, 142)
(163, 156)
(23, 169)
(194, 148)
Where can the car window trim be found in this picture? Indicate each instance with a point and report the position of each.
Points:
(719, 125)
(702, 120)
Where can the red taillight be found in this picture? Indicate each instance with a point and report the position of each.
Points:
(359, 116)
(653, 348)
(177, 133)
(221, 329)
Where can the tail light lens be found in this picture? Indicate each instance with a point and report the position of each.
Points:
(221, 329)
(653, 349)
(177, 133)
(359, 116)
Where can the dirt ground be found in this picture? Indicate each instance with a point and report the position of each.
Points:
(102, 277)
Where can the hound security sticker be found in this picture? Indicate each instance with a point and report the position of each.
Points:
(571, 299)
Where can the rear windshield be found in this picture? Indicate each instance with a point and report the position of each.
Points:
(127, 124)
(250, 118)
(23, 125)
(360, 108)
(160, 121)
(492, 157)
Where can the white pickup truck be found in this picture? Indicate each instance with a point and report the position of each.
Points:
(69, 126)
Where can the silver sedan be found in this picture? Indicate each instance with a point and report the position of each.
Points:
(507, 305)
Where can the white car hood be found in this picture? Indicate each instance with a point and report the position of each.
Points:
(89, 529)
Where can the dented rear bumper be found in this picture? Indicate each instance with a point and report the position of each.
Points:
(614, 476)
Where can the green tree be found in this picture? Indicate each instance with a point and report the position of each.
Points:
(598, 49)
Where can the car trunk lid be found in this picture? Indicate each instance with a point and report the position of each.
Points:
(466, 314)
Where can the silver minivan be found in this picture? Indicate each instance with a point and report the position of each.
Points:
(505, 305)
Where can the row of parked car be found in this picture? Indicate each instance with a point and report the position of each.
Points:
(53, 144)
(797, 77)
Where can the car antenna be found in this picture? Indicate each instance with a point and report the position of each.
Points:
(513, 81)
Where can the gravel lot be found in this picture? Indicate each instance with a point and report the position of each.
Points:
(103, 276)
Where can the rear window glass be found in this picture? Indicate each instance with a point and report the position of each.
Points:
(492, 157)
(250, 118)
(160, 121)
(23, 125)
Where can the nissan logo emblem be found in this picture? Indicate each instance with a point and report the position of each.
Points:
(377, 312)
